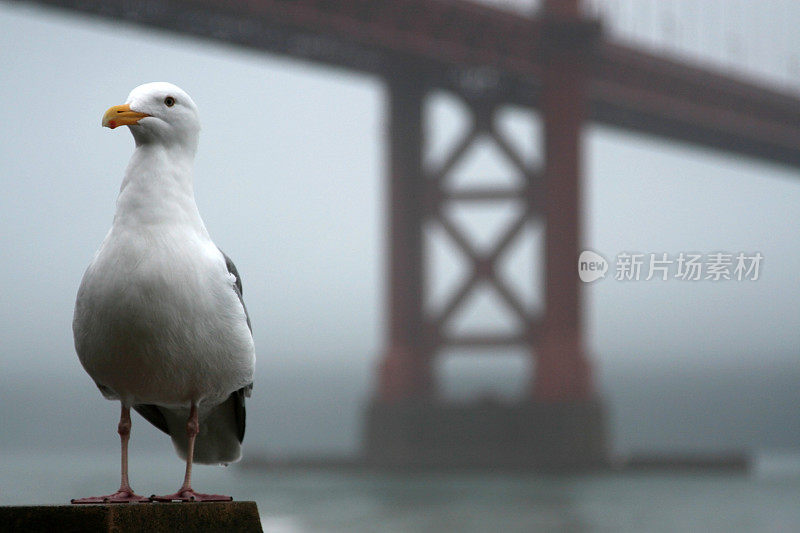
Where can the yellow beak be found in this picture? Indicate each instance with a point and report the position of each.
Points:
(121, 115)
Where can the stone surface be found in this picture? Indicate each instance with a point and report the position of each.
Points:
(123, 518)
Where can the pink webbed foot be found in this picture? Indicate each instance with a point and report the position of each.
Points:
(188, 495)
(121, 496)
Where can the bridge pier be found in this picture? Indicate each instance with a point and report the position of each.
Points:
(560, 424)
(546, 436)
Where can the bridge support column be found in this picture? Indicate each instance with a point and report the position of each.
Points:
(563, 376)
(406, 366)
(405, 380)
(562, 371)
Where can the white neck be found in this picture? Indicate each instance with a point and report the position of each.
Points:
(157, 188)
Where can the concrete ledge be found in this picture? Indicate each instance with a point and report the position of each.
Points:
(122, 518)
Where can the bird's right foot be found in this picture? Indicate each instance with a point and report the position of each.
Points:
(121, 496)
(188, 495)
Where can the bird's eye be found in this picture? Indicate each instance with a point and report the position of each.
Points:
(169, 101)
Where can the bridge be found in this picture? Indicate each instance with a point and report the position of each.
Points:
(559, 63)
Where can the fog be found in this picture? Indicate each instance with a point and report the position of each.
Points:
(289, 180)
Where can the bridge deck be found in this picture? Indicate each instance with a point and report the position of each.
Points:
(481, 52)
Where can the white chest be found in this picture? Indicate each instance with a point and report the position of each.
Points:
(157, 319)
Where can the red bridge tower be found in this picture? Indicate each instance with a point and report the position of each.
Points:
(559, 423)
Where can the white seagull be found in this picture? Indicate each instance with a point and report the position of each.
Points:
(160, 324)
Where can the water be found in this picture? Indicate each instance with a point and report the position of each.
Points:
(293, 501)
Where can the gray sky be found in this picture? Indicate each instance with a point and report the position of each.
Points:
(289, 180)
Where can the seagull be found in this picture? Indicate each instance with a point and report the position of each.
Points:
(159, 322)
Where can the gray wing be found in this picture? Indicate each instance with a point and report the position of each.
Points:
(238, 285)
(239, 395)
(239, 411)
(155, 414)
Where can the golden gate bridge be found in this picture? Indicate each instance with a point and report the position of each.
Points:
(557, 60)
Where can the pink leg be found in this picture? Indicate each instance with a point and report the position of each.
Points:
(125, 493)
(185, 493)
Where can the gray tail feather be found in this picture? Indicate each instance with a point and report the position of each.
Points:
(217, 442)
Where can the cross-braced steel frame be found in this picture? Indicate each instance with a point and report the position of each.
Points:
(430, 195)
(418, 195)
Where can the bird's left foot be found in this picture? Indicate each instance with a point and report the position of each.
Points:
(121, 496)
(188, 495)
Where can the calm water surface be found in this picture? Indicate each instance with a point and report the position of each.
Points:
(767, 499)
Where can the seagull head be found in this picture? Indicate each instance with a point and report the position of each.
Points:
(157, 112)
